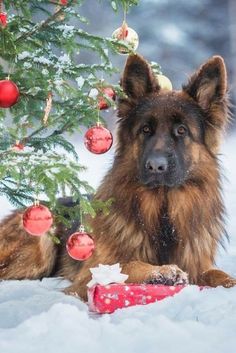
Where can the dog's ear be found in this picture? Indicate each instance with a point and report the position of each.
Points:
(208, 87)
(138, 78)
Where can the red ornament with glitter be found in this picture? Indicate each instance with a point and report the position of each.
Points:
(3, 19)
(107, 94)
(9, 93)
(98, 139)
(63, 2)
(80, 245)
(37, 220)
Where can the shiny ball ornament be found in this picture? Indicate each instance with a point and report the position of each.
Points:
(37, 220)
(63, 2)
(9, 93)
(80, 245)
(164, 82)
(127, 36)
(98, 139)
(3, 19)
(109, 93)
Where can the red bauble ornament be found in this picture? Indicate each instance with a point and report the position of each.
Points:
(9, 93)
(80, 245)
(3, 19)
(37, 220)
(109, 93)
(63, 2)
(98, 139)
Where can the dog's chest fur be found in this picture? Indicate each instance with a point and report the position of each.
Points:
(166, 237)
(161, 232)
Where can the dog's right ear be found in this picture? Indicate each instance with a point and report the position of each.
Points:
(138, 78)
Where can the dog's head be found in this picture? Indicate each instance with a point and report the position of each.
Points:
(171, 135)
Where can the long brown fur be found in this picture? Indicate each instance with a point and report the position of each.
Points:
(134, 232)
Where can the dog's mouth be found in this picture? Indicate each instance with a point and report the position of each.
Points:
(171, 181)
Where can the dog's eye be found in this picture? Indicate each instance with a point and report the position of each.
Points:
(146, 129)
(180, 130)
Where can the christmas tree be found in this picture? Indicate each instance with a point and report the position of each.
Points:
(41, 42)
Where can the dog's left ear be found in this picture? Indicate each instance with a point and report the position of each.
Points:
(208, 87)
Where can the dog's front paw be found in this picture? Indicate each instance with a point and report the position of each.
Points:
(215, 278)
(230, 282)
(168, 275)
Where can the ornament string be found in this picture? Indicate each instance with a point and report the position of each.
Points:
(81, 227)
(125, 12)
(98, 118)
(36, 202)
(1, 6)
(47, 108)
(123, 33)
(11, 69)
(101, 80)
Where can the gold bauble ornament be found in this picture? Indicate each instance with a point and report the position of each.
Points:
(127, 36)
(164, 82)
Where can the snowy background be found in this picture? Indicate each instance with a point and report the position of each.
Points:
(36, 317)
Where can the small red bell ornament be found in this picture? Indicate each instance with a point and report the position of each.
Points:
(18, 146)
(9, 93)
(37, 219)
(80, 245)
(127, 36)
(98, 139)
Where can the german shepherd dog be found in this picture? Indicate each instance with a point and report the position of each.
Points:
(167, 216)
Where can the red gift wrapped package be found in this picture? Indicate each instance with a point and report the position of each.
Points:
(106, 299)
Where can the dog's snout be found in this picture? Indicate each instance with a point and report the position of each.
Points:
(157, 164)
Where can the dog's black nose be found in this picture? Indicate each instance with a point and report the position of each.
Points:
(157, 164)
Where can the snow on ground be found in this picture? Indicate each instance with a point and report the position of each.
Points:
(36, 317)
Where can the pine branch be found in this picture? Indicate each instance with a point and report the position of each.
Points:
(41, 26)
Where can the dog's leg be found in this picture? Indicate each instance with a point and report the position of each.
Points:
(214, 278)
(138, 272)
(141, 272)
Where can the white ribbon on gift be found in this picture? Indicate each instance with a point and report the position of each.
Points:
(107, 274)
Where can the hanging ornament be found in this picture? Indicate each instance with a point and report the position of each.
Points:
(98, 139)
(48, 108)
(37, 219)
(80, 245)
(61, 15)
(3, 19)
(9, 93)
(3, 16)
(164, 82)
(108, 93)
(18, 146)
(127, 36)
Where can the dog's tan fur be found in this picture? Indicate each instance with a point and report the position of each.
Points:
(128, 234)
